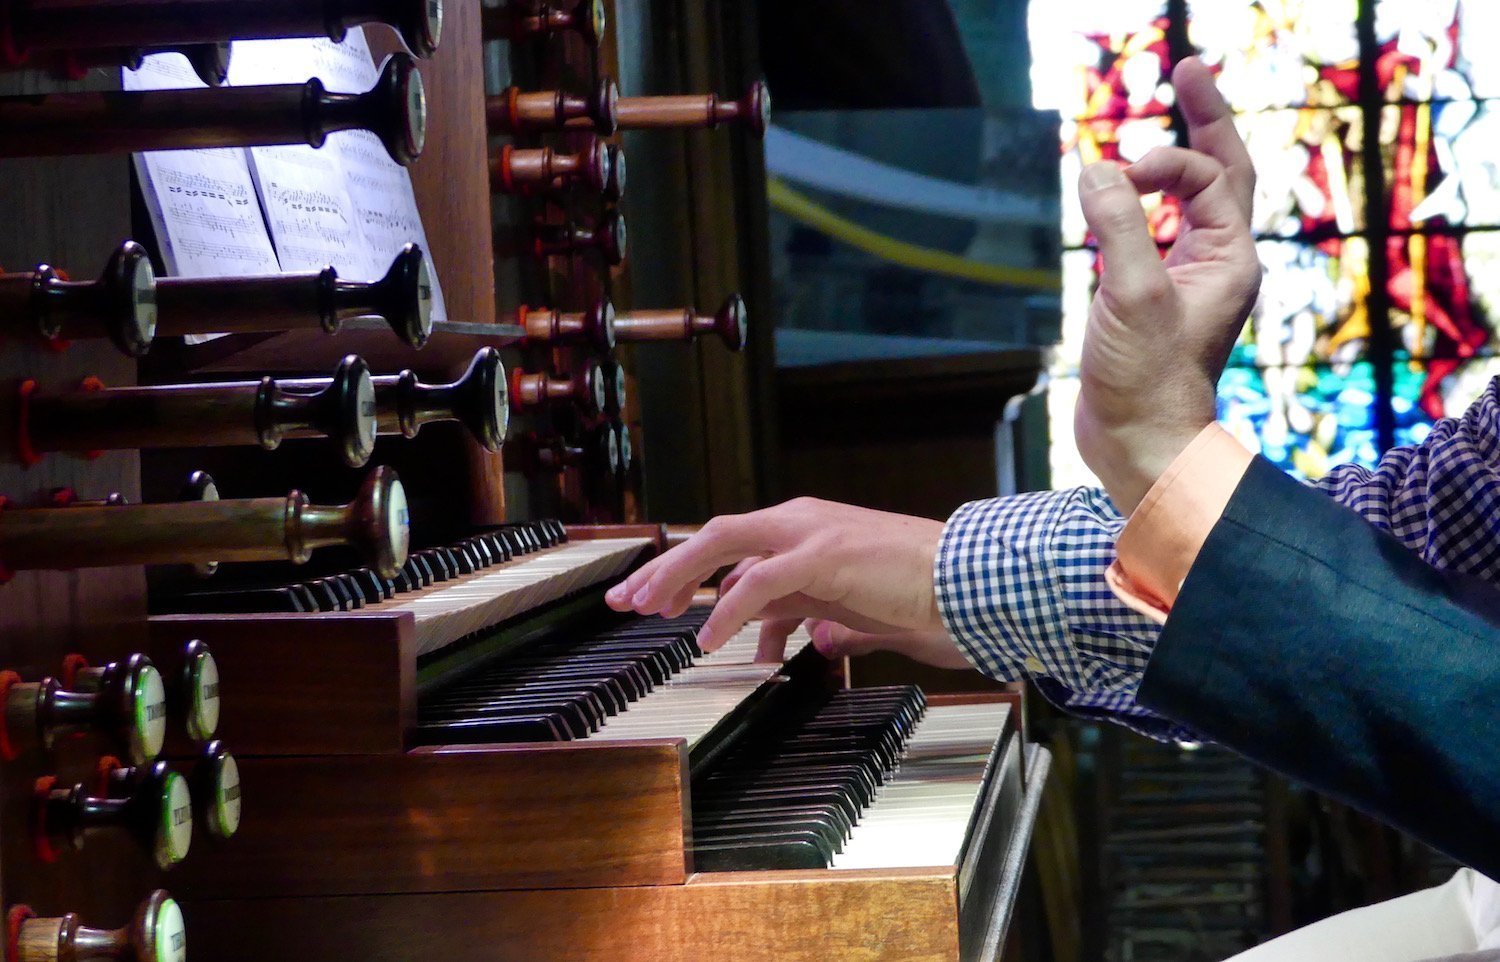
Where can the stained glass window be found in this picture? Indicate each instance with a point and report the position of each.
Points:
(1443, 168)
(1312, 306)
(1279, 53)
(1085, 142)
(1305, 419)
(1437, 389)
(1437, 49)
(1101, 58)
(1302, 386)
(1443, 290)
(1309, 179)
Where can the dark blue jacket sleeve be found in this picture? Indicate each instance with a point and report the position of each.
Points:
(1322, 648)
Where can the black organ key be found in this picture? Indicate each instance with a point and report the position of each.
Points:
(772, 849)
(374, 587)
(250, 601)
(761, 806)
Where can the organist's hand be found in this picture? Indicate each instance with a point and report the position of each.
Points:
(1160, 331)
(870, 571)
(833, 640)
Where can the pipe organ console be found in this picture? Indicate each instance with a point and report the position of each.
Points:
(449, 746)
(287, 528)
(282, 302)
(519, 20)
(60, 124)
(341, 408)
(568, 240)
(93, 24)
(752, 110)
(597, 167)
(602, 326)
(156, 933)
(120, 305)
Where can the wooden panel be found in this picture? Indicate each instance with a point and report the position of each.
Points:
(306, 685)
(72, 213)
(908, 916)
(443, 819)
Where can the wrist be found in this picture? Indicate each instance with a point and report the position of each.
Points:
(1129, 461)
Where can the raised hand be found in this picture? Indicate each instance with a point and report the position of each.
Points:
(1159, 330)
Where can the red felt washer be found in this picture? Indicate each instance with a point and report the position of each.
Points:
(106, 767)
(13, 920)
(62, 497)
(59, 344)
(24, 451)
(507, 176)
(11, 54)
(5, 573)
(72, 69)
(7, 747)
(513, 107)
(42, 839)
(92, 383)
(71, 665)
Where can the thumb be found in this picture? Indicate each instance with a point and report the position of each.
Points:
(1134, 275)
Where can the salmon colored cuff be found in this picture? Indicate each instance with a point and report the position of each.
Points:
(1165, 534)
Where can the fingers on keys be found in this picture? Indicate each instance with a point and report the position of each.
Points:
(758, 586)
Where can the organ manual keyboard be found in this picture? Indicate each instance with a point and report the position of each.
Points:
(532, 758)
(420, 732)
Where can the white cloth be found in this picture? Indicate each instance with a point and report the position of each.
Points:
(1459, 917)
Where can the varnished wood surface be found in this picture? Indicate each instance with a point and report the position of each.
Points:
(899, 916)
(446, 819)
(292, 685)
(46, 217)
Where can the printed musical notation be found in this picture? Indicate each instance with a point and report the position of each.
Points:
(299, 186)
(202, 203)
(265, 210)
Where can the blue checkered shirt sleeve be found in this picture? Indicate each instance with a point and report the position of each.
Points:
(1020, 580)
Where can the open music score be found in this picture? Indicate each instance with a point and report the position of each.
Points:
(602, 326)
(155, 934)
(395, 109)
(376, 523)
(99, 24)
(248, 413)
(151, 803)
(520, 20)
(403, 298)
(130, 711)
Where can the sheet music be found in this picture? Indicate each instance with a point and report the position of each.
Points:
(347, 203)
(202, 203)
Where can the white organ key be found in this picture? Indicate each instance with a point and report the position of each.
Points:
(469, 603)
(697, 698)
(921, 816)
